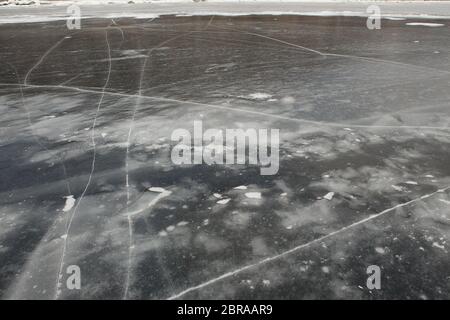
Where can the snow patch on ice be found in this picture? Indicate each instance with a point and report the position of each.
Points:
(70, 202)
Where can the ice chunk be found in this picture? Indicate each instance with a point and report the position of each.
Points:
(157, 189)
(223, 201)
(329, 196)
(70, 202)
(380, 250)
(253, 195)
(425, 24)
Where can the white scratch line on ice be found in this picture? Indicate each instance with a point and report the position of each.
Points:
(325, 54)
(139, 96)
(58, 282)
(305, 245)
(25, 81)
(30, 125)
(129, 216)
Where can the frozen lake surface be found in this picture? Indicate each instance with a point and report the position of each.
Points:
(87, 178)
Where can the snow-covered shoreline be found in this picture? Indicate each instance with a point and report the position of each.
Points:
(156, 8)
(112, 2)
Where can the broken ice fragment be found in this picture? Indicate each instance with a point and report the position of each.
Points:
(260, 96)
(329, 196)
(380, 250)
(398, 188)
(223, 201)
(437, 245)
(70, 201)
(241, 188)
(253, 195)
(157, 189)
(162, 233)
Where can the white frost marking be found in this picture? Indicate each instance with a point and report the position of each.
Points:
(182, 223)
(444, 201)
(217, 195)
(411, 182)
(70, 202)
(266, 282)
(329, 196)
(170, 228)
(253, 195)
(302, 246)
(240, 188)
(425, 24)
(223, 201)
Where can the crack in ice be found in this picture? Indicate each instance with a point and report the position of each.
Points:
(325, 54)
(75, 210)
(299, 120)
(127, 184)
(138, 101)
(302, 246)
(25, 80)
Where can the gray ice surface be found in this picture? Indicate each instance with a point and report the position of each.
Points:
(89, 113)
